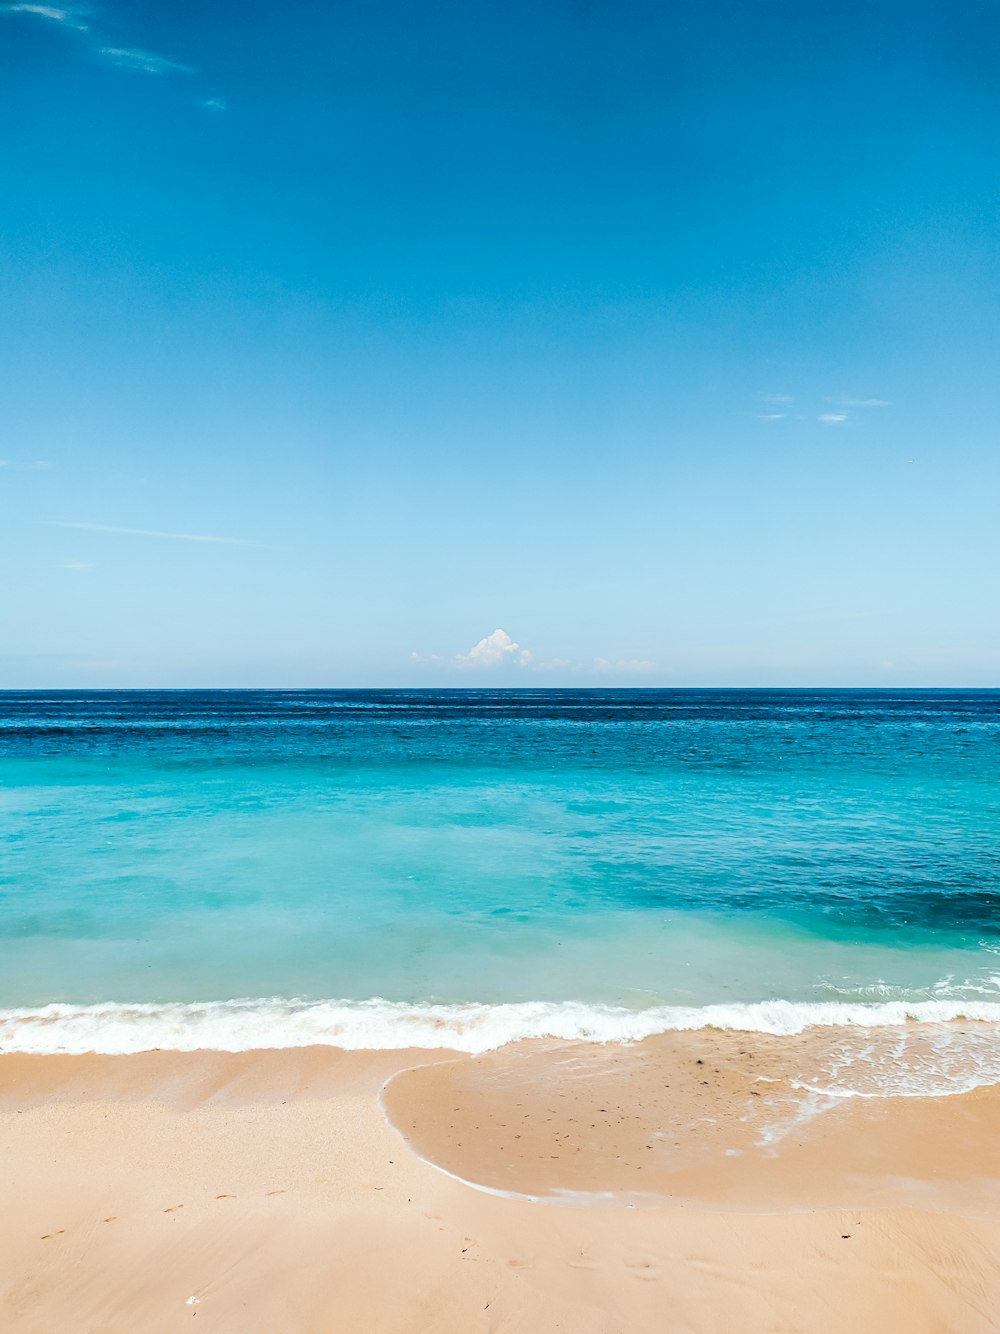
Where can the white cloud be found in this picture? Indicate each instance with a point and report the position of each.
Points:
(131, 57)
(776, 398)
(494, 651)
(69, 17)
(498, 650)
(832, 418)
(154, 532)
(771, 416)
(214, 104)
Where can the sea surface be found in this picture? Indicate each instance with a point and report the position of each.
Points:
(458, 868)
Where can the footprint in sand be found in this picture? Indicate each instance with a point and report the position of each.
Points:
(274, 1192)
(225, 1197)
(173, 1208)
(49, 1235)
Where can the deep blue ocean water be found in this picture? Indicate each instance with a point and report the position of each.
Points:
(636, 849)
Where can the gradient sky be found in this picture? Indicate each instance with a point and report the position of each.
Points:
(661, 337)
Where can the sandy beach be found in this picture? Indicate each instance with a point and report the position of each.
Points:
(681, 1184)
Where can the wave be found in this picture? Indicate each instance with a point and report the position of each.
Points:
(379, 1025)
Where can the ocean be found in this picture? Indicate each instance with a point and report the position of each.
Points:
(238, 868)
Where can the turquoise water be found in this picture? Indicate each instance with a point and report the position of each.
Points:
(638, 850)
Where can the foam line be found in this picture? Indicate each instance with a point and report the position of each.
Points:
(246, 1025)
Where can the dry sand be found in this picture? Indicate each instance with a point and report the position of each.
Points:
(267, 1192)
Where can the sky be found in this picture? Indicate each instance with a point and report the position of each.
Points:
(568, 342)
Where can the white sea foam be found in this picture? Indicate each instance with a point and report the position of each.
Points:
(245, 1025)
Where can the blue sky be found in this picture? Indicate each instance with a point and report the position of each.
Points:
(661, 338)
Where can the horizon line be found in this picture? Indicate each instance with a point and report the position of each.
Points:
(508, 689)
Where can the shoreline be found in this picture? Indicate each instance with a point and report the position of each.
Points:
(117, 1028)
(271, 1187)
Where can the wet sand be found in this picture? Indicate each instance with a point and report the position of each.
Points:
(715, 1118)
(267, 1191)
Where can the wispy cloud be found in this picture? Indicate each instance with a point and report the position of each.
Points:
(495, 650)
(71, 17)
(839, 411)
(143, 62)
(154, 532)
(101, 44)
(213, 103)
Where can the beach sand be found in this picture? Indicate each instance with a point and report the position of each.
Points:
(689, 1186)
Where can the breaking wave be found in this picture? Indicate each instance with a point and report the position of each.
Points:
(379, 1025)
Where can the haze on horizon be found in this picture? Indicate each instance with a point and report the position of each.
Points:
(578, 343)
